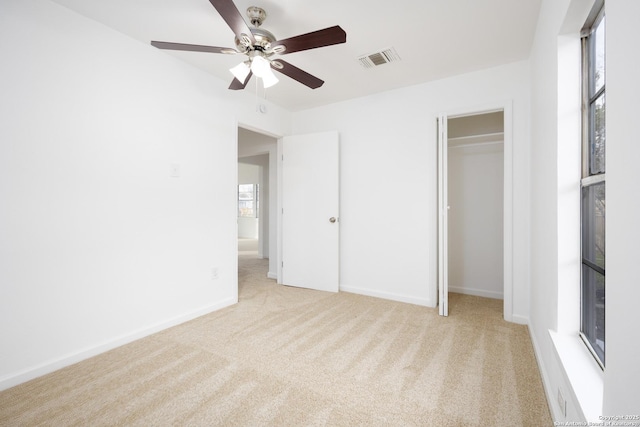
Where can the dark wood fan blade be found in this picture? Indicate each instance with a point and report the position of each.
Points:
(297, 74)
(233, 18)
(327, 37)
(192, 47)
(238, 85)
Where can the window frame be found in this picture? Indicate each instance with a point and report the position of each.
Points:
(589, 176)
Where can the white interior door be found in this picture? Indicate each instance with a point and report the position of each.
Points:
(443, 212)
(310, 211)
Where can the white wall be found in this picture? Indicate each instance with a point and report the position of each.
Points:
(555, 213)
(388, 180)
(475, 191)
(248, 173)
(247, 228)
(555, 219)
(99, 245)
(622, 374)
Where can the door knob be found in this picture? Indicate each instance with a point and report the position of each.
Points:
(332, 219)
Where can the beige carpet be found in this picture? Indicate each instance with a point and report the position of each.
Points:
(293, 357)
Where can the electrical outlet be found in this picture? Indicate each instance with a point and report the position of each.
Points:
(562, 403)
(214, 273)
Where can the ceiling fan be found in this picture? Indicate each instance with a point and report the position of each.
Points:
(259, 45)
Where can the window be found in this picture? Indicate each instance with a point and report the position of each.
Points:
(248, 200)
(592, 304)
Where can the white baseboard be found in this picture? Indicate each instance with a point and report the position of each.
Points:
(546, 382)
(12, 380)
(387, 295)
(476, 292)
(520, 320)
(271, 275)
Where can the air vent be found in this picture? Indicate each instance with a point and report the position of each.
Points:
(378, 58)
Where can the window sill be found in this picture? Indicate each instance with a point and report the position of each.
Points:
(582, 372)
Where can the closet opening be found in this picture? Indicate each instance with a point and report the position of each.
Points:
(475, 207)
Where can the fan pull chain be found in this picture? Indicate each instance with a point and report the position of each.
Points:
(257, 78)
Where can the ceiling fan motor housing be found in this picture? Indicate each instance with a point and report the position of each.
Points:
(263, 42)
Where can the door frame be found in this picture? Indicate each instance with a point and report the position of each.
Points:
(443, 215)
(274, 232)
(508, 203)
(278, 162)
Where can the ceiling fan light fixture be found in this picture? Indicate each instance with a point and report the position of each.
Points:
(240, 71)
(269, 79)
(260, 66)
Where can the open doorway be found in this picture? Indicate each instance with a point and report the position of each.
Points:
(257, 203)
(251, 239)
(475, 207)
(476, 199)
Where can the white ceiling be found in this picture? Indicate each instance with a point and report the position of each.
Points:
(434, 38)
